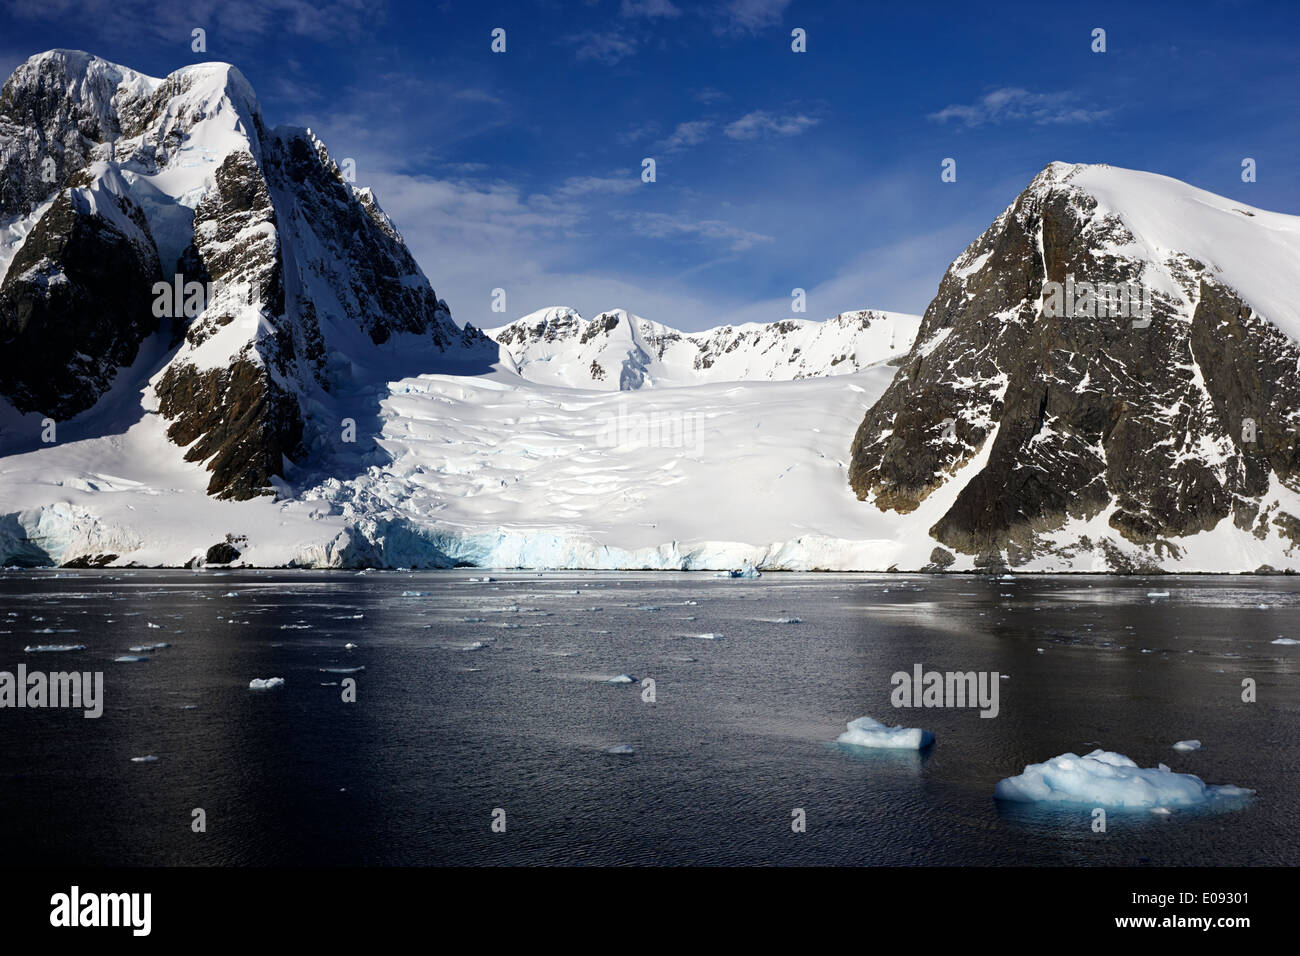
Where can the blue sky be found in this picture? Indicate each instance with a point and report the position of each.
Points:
(775, 169)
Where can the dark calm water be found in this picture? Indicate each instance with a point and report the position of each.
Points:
(741, 733)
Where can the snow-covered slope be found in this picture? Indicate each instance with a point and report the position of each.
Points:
(620, 351)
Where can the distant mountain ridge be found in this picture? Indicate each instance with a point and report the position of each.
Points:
(616, 350)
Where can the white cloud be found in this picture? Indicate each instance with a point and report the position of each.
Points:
(661, 225)
(608, 48)
(750, 16)
(686, 134)
(1013, 104)
(587, 185)
(761, 123)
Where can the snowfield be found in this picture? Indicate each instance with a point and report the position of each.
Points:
(495, 471)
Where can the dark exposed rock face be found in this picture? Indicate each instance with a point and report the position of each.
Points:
(221, 553)
(240, 421)
(75, 302)
(1076, 415)
(90, 561)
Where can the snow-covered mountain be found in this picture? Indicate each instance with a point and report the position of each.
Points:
(1073, 434)
(294, 291)
(1014, 425)
(620, 351)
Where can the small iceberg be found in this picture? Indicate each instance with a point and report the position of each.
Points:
(1106, 779)
(866, 732)
(265, 683)
(1157, 594)
(53, 648)
(349, 646)
(1285, 640)
(417, 594)
(130, 659)
(341, 670)
(1186, 745)
(620, 749)
(622, 679)
(709, 637)
(148, 758)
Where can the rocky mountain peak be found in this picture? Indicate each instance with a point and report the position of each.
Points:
(131, 199)
(1111, 366)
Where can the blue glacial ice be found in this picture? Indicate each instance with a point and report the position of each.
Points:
(1106, 779)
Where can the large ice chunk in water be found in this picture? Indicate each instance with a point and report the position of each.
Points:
(1106, 779)
(265, 683)
(866, 732)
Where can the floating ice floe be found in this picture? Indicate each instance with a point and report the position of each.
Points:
(146, 648)
(1186, 745)
(265, 683)
(474, 646)
(417, 594)
(1157, 594)
(620, 749)
(622, 679)
(341, 670)
(748, 571)
(1285, 640)
(708, 637)
(867, 732)
(349, 646)
(148, 758)
(53, 648)
(130, 659)
(1106, 779)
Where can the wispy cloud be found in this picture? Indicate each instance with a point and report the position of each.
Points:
(608, 48)
(1013, 104)
(576, 186)
(750, 16)
(762, 123)
(686, 134)
(650, 9)
(661, 225)
(236, 21)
